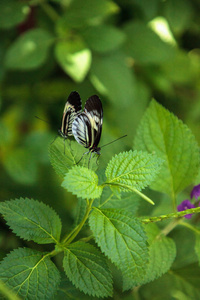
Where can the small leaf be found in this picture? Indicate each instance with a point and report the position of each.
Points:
(122, 238)
(82, 182)
(162, 133)
(86, 267)
(29, 51)
(32, 220)
(103, 38)
(132, 169)
(74, 58)
(197, 247)
(162, 252)
(12, 13)
(30, 273)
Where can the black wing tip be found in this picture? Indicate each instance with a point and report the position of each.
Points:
(75, 99)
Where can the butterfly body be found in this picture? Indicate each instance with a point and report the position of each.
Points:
(87, 126)
(72, 108)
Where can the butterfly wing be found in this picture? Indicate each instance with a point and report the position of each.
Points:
(72, 108)
(94, 111)
(87, 126)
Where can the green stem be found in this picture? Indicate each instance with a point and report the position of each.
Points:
(188, 225)
(172, 215)
(75, 232)
(132, 190)
(48, 9)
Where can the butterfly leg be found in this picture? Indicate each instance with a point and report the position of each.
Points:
(54, 139)
(82, 157)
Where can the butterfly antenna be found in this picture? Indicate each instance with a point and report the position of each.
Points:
(42, 120)
(114, 140)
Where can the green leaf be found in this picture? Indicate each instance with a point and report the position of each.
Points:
(162, 252)
(65, 154)
(197, 247)
(32, 220)
(149, 49)
(30, 273)
(29, 51)
(162, 133)
(103, 38)
(89, 12)
(179, 284)
(132, 170)
(86, 267)
(122, 238)
(12, 13)
(21, 165)
(82, 182)
(74, 58)
(111, 76)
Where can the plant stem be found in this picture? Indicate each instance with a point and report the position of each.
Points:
(78, 228)
(188, 225)
(49, 10)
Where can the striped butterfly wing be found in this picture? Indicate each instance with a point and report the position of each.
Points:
(72, 108)
(87, 126)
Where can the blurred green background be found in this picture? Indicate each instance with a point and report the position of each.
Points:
(126, 51)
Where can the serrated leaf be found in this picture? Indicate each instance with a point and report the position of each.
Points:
(30, 273)
(86, 267)
(74, 58)
(103, 38)
(82, 182)
(133, 169)
(162, 252)
(64, 154)
(12, 13)
(197, 247)
(162, 133)
(172, 285)
(122, 238)
(32, 220)
(29, 51)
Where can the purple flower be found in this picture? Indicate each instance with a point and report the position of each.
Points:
(185, 204)
(195, 192)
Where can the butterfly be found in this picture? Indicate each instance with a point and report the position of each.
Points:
(72, 108)
(87, 125)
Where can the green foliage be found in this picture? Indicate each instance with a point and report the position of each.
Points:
(197, 247)
(34, 276)
(85, 262)
(132, 169)
(12, 13)
(122, 238)
(82, 182)
(29, 51)
(161, 132)
(162, 252)
(32, 220)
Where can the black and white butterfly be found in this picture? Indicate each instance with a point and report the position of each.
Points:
(72, 108)
(87, 125)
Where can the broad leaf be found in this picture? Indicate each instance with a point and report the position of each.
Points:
(30, 273)
(82, 182)
(32, 220)
(12, 13)
(149, 49)
(177, 284)
(29, 51)
(162, 252)
(133, 169)
(122, 238)
(86, 267)
(74, 58)
(162, 133)
(103, 38)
